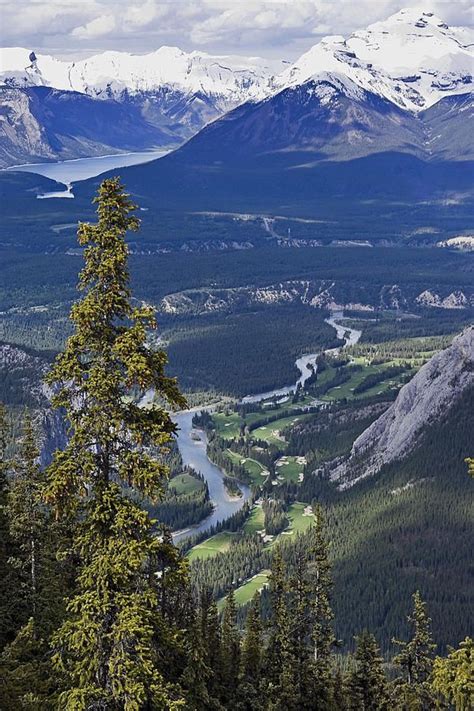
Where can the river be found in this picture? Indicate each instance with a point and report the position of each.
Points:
(68, 172)
(304, 361)
(193, 453)
(192, 443)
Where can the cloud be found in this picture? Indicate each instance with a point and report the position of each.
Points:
(256, 23)
(38, 17)
(145, 14)
(282, 28)
(100, 26)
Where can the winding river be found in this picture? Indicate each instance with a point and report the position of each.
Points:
(192, 446)
(349, 335)
(192, 443)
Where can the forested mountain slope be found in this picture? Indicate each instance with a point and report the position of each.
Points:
(409, 527)
(432, 392)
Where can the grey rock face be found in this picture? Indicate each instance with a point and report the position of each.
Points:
(22, 137)
(429, 395)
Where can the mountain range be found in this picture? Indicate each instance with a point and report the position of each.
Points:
(401, 84)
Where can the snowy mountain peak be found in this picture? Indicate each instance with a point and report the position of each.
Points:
(412, 59)
(110, 73)
(417, 40)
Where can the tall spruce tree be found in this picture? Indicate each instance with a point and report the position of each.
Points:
(279, 662)
(212, 646)
(415, 659)
(322, 634)
(29, 521)
(27, 680)
(301, 627)
(196, 674)
(367, 685)
(25, 664)
(105, 647)
(8, 579)
(340, 698)
(230, 650)
(251, 659)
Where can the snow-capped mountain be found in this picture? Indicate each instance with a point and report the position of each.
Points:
(175, 91)
(111, 74)
(402, 85)
(413, 59)
(346, 97)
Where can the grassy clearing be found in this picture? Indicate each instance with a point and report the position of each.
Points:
(299, 522)
(185, 484)
(245, 592)
(290, 468)
(227, 426)
(212, 546)
(256, 471)
(255, 521)
(346, 389)
(271, 433)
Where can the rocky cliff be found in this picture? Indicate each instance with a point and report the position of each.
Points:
(432, 392)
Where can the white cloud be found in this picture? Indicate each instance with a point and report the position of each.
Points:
(276, 27)
(100, 26)
(145, 14)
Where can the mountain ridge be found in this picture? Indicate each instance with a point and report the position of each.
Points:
(437, 61)
(432, 392)
(408, 63)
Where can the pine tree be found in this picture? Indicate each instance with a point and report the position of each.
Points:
(367, 686)
(39, 582)
(176, 609)
(340, 698)
(453, 676)
(322, 634)
(301, 626)
(251, 659)
(196, 675)
(25, 663)
(413, 691)
(230, 650)
(279, 662)
(105, 647)
(27, 680)
(29, 520)
(9, 586)
(212, 646)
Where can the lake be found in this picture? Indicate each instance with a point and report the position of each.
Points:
(73, 171)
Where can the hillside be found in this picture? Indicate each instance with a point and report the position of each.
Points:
(406, 527)
(434, 391)
(42, 124)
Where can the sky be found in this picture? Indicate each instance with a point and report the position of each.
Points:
(281, 29)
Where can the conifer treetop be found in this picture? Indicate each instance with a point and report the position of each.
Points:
(107, 367)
